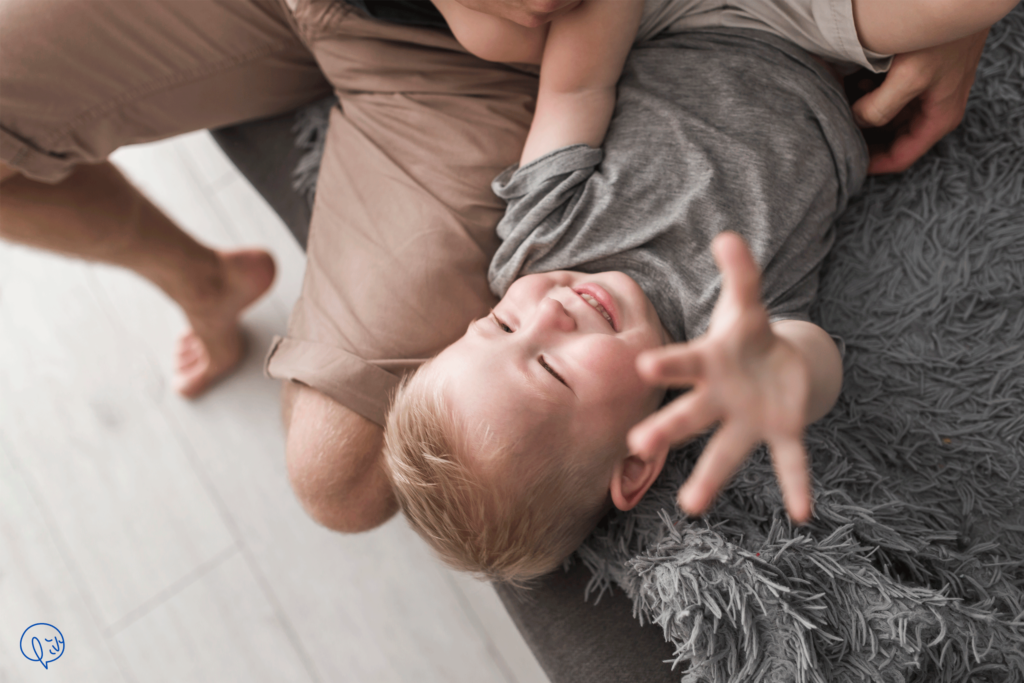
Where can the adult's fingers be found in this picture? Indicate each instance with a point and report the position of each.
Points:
(674, 365)
(902, 84)
(926, 129)
(687, 416)
(721, 458)
(741, 278)
(942, 76)
(790, 460)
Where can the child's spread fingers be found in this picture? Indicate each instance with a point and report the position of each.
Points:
(674, 365)
(741, 279)
(790, 460)
(682, 419)
(721, 458)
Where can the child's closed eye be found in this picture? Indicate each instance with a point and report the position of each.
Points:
(502, 326)
(505, 328)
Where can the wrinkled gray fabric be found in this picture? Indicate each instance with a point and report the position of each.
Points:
(721, 129)
(913, 566)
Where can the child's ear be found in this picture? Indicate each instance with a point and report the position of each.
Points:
(633, 475)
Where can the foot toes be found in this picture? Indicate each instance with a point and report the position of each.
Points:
(191, 384)
(188, 366)
(199, 363)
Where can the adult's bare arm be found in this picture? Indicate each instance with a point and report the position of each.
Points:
(930, 88)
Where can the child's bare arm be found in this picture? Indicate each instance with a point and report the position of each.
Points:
(903, 26)
(493, 38)
(761, 382)
(583, 58)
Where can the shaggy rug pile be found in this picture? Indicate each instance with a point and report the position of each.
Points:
(913, 566)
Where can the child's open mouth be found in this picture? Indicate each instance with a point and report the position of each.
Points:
(600, 301)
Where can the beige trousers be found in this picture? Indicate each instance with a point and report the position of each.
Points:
(403, 225)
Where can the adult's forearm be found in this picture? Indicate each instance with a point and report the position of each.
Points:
(909, 25)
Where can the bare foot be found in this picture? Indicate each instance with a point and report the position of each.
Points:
(215, 343)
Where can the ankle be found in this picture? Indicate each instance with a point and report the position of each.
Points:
(199, 287)
(233, 281)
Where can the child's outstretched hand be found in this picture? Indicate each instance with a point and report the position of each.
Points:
(745, 377)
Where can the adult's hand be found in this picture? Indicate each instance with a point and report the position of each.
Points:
(925, 95)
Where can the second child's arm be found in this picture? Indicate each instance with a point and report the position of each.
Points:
(583, 58)
(903, 26)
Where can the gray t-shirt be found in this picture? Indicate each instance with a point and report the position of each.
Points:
(718, 129)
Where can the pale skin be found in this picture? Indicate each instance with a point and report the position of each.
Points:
(581, 52)
(333, 453)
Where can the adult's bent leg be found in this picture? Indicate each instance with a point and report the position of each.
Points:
(97, 215)
(402, 231)
(113, 73)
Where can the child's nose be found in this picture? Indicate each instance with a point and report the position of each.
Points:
(551, 315)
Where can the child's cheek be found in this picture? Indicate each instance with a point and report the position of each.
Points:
(614, 364)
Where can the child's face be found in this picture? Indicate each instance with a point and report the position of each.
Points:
(547, 360)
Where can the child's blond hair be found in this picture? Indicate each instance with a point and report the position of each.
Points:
(510, 522)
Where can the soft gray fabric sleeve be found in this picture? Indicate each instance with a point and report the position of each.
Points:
(713, 130)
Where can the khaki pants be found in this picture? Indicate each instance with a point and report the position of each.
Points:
(403, 225)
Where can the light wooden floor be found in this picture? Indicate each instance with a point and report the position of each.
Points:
(160, 535)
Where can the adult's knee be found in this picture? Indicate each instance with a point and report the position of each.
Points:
(334, 462)
(7, 172)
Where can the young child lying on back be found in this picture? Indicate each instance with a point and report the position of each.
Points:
(507, 448)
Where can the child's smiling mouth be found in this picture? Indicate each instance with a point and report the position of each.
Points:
(600, 309)
(598, 299)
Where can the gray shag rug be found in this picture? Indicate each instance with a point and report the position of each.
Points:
(913, 566)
